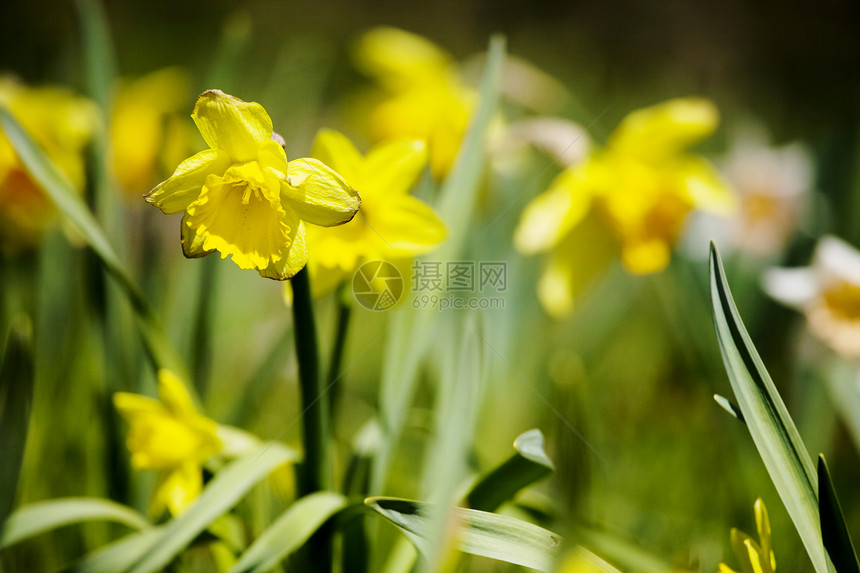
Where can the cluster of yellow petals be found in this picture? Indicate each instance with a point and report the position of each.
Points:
(243, 199)
(642, 186)
(169, 436)
(62, 124)
(390, 225)
(423, 95)
(754, 557)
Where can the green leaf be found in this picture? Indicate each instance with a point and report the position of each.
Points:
(119, 555)
(528, 465)
(290, 531)
(44, 516)
(772, 430)
(834, 532)
(481, 533)
(16, 395)
(55, 184)
(228, 486)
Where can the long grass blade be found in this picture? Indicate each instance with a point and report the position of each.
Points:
(289, 532)
(52, 181)
(772, 430)
(527, 465)
(223, 492)
(834, 532)
(480, 533)
(44, 516)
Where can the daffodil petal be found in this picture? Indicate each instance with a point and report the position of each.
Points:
(739, 541)
(393, 168)
(130, 405)
(400, 59)
(665, 129)
(325, 279)
(647, 256)
(336, 150)
(707, 189)
(555, 289)
(252, 231)
(179, 488)
(764, 532)
(407, 227)
(228, 123)
(174, 395)
(182, 188)
(318, 194)
(292, 258)
(192, 243)
(550, 215)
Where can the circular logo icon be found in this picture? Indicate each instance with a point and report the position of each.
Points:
(377, 285)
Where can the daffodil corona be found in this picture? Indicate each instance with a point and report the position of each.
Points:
(169, 436)
(391, 225)
(641, 187)
(242, 198)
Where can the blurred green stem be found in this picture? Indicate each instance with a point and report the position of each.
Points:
(315, 470)
(344, 312)
(201, 346)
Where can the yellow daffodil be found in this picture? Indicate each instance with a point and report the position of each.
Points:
(171, 437)
(641, 186)
(147, 134)
(423, 95)
(827, 292)
(754, 557)
(62, 124)
(390, 225)
(241, 197)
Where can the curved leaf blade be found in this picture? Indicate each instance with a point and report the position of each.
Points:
(834, 532)
(481, 533)
(119, 555)
(39, 517)
(775, 436)
(224, 491)
(527, 465)
(290, 531)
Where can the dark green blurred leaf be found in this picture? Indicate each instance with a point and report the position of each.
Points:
(16, 395)
(225, 490)
(528, 465)
(481, 533)
(772, 430)
(834, 532)
(52, 181)
(44, 516)
(290, 531)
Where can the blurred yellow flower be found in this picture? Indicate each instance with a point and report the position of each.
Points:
(390, 225)
(827, 292)
(63, 125)
(242, 198)
(424, 97)
(147, 134)
(642, 186)
(754, 557)
(169, 436)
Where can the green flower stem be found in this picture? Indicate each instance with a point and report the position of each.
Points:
(201, 349)
(315, 471)
(344, 312)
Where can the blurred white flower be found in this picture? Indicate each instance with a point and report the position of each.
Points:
(772, 185)
(827, 292)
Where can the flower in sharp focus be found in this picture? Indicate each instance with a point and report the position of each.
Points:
(62, 124)
(390, 225)
(241, 197)
(171, 437)
(423, 96)
(754, 557)
(642, 186)
(827, 292)
(148, 136)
